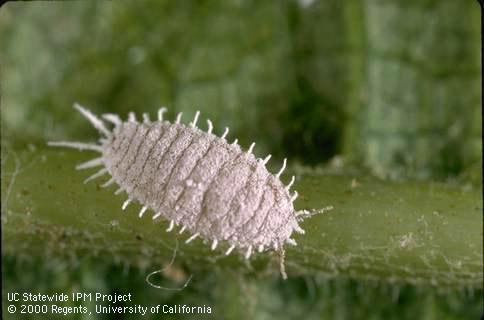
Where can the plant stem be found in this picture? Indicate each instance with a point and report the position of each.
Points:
(405, 232)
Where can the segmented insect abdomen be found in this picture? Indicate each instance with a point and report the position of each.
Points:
(200, 181)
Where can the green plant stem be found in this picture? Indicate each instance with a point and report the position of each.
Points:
(405, 232)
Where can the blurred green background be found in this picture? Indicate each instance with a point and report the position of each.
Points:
(389, 88)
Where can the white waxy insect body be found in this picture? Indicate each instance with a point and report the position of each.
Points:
(197, 180)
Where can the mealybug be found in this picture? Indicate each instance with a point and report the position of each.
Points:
(196, 180)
